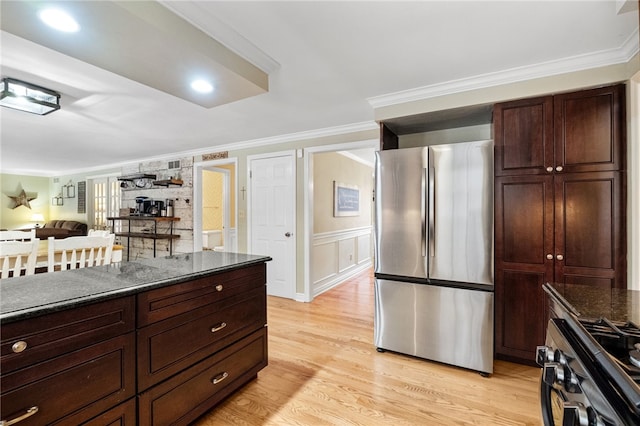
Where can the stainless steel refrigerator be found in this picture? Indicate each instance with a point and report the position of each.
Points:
(434, 253)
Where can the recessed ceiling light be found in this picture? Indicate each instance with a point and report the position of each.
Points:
(202, 86)
(59, 20)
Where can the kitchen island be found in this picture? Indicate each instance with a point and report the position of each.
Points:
(155, 341)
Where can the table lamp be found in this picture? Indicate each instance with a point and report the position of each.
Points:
(37, 217)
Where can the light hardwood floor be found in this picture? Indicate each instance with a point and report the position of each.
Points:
(324, 370)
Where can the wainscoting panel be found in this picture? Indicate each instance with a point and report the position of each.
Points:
(364, 249)
(337, 256)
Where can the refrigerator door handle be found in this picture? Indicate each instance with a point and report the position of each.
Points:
(432, 211)
(423, 212)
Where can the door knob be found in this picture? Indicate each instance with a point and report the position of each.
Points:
(550, 256)
(559, 169)
(549, 169)
(288, 234)
(559, 257)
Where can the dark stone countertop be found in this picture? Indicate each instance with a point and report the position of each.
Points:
(35, 295)
(589, 302)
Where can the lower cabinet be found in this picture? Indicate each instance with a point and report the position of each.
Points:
(187, 395)
(195, 343)
(567, 228)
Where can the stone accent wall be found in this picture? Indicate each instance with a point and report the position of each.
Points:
(141, 248)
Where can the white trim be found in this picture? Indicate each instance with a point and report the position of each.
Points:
(342, 276)
(306, 296)
(201, 18)
(513, 75)
(327, 237)
(299, 136)
(633, 183)
(198, 167)
(253, 143)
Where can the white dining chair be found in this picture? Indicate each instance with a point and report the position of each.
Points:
(18, 235)
(18, 256)
(98, 233)
(79, 252)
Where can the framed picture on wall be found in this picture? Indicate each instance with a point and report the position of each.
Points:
(346, 200)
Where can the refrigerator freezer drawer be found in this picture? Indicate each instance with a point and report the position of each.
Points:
(449, 325)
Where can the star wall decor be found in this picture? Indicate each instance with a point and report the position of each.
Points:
(22, 199)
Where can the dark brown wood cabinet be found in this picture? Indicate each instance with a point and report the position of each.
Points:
(198, 342)
(571, 132)
(180, 349)
(71, 366)
(559, 206)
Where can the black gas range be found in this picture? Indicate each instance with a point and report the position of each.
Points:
(591, 357)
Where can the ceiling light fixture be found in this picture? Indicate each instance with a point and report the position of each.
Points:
(28, 97)
(59, 20)
(202, 86)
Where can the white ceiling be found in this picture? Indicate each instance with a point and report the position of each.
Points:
(326, 61)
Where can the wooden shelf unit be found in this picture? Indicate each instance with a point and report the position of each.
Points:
(148, 235)
(168, 182)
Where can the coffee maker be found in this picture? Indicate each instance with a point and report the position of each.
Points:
(140, 208)
(153, 207)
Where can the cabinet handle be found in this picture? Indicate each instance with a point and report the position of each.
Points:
(219, 378)
(18, 347)
(219, 327)
(30, 412)
(559, 169)
(550, 256)
(559, 257)
(219, 287)
(549, 169)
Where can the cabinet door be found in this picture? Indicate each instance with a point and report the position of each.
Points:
(590, 238)
(72, 388)
(524, 241)
(589, 130)
(523, 135)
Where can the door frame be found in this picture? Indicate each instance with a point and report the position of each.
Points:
(307, 153)
(291, 154)
(198, 168)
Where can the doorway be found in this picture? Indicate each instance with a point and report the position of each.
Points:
(356, 238)
(215, 206)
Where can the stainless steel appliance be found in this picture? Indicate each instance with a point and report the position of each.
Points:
(434, 253)
(590, 371)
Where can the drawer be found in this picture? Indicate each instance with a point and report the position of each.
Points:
(191, 393)
(54, 334)
(162, 303)
(121, 415)
(170, 346)
(74, 387)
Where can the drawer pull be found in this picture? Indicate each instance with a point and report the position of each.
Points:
(218, 327)
(219, 287)
(219, 378)
(18, 347)
(30, 412)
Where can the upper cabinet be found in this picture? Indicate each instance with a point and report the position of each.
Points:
(572, 132)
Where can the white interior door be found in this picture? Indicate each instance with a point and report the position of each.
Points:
(272, 220)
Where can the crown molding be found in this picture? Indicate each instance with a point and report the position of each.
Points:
(298, 136)
(546, 69)
(205, 21)
(291, 137)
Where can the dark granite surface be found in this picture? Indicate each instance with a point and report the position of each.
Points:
(595, 303)
(25, 297)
